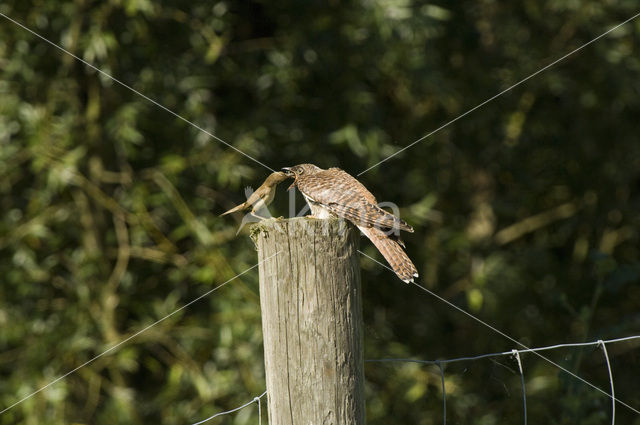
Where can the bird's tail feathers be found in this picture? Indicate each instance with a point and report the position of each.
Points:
(393, 253)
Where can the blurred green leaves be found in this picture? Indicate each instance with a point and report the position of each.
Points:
(526, 211)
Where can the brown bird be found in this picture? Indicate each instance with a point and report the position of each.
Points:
(262, 197)
(334, 192)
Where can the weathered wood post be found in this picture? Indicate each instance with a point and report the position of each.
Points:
(311, 321)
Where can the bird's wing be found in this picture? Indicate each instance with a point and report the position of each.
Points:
(369, 215)
(346, 197)
(344, 177)
(254, 197)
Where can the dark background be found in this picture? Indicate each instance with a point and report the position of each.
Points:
(526, 210)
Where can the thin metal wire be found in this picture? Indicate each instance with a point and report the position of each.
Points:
(234, 410)
(134, 335)
(516, 354)
(444, 394)
(504, 353)
(613, 391)
(526, 349)
(128, 87)
(257, 400)
(501, 93)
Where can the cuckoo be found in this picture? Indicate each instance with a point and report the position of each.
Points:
(262, 197)
(334, 192)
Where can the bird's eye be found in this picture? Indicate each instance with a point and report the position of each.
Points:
(300, 170)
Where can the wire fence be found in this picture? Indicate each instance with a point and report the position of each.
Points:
(515, 354)
(510, 338)
(255, 400)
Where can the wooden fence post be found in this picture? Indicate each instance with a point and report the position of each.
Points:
(311, 305)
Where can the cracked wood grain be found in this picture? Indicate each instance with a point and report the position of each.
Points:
(311, 303)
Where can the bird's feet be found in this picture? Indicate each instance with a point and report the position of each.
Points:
(259, 217)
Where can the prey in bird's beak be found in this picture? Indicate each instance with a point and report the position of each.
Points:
(290, 173)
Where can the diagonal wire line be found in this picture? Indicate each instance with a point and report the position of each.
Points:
(502, 92)
(110, 349)
(191, 123)
(255, 400)
(504, 353)
(516, 354)
(450, 304)
(524, 346)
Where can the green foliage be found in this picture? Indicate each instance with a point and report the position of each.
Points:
(526, 210)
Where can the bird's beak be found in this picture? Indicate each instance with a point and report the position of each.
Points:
(289, 173)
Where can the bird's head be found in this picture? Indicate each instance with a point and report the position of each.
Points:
(300, 171)
(275, 178)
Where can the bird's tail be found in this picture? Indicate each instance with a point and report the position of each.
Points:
(392, 252)
(234, 209)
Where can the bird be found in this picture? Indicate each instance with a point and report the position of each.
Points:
(262, 197)
(334, 192)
